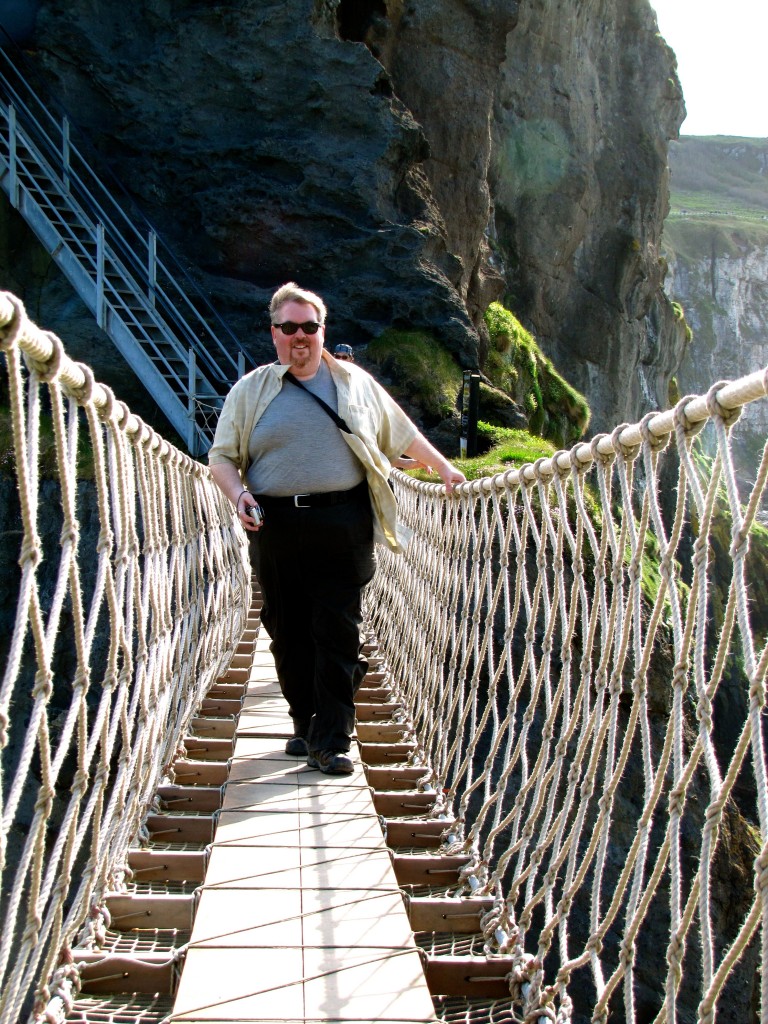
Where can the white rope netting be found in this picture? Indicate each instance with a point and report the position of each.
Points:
(128, 594)
(580, 644)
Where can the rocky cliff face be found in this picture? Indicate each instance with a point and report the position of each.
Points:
(411, 162)
(717, 245)
(587, 100)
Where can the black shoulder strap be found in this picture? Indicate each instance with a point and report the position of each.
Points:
(324, 405)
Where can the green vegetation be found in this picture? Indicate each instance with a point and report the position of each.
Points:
(518, 367)
(506, 449)
(418, 366)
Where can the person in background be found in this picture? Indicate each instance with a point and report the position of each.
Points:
(282, 447)
(345, 353)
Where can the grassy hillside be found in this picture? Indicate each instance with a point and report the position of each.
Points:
(719, 196)
(719, 177)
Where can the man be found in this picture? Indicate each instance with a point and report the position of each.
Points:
(325, 498)
(345, 353)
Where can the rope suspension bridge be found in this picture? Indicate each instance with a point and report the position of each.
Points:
(561, 737)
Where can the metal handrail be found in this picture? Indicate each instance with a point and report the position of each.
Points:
(148, 259)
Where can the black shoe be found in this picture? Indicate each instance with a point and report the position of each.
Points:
(297, 746)
(332, 762)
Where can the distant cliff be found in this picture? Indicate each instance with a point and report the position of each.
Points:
(411, 161)
(716, 240)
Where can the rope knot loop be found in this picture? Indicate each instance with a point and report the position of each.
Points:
(628, 452)
(14, 328)
(84, 394)
(49, 369)
(683, 425)
(718, 411)
(655, 442)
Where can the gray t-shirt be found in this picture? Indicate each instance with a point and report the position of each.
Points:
(296, 448)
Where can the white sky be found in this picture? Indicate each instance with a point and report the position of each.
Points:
(722, 63)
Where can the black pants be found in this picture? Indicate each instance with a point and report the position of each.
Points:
(312, 564)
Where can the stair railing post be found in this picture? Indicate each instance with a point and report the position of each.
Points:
(13, 177)
(191, 432)
(65, 153)
(152, 266)
(100, 310)
(240, 363)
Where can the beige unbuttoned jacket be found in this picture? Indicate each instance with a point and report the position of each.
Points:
(380, 431)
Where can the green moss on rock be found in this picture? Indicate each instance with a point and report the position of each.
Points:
(414, 360)
(516, 365)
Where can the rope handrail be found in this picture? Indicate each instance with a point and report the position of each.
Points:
(130, 592)
(582, 649)
(583, 658)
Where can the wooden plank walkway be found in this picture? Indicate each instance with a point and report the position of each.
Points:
(300, 918)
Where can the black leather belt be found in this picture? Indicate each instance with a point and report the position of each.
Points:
(321, 500)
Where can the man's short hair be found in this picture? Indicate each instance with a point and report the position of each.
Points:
(291, 292)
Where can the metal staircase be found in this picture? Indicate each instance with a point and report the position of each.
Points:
(168, 333)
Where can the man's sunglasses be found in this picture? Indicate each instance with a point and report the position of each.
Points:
(289, 327)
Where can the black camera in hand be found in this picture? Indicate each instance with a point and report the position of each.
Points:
(256, 514)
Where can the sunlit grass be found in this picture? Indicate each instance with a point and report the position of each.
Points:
(508, 450)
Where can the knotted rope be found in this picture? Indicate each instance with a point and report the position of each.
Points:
(573, 644)
(132, 591)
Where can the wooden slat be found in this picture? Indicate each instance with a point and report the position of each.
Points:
(394, 779)
(177, 828)
(199, 773)
(381, 732)
(373, 693)
(398, 805)
(227, 691)
(416, 833)
(208, 748)
(376, 712)
(385, 753)
(116, 973)
(128, 913)
(220, 707)
(150, 865)
(413, 869)
(448, 915)
(221, 728)
(235, 675)
(190, 798)
(242, 660)
(483, 977)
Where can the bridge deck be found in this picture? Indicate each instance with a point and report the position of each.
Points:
(300, 917)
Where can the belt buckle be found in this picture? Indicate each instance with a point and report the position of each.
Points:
(296, 501)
